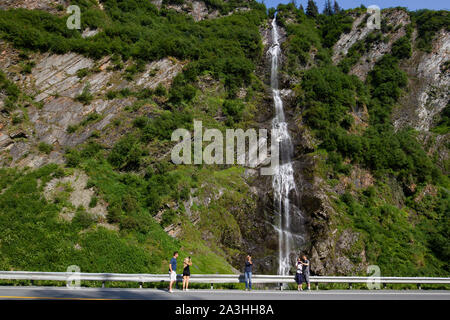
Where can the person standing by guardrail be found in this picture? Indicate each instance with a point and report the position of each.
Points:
(305, 270)
(186, 272)
(248, 273)
(173, 270)
(299, 274)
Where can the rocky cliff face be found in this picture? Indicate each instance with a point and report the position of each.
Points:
(54, 84)
(396, 19)
(428, 86)
(47, 5)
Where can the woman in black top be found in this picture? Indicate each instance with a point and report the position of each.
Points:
(186, 272)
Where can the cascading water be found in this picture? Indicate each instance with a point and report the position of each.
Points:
(283, 179)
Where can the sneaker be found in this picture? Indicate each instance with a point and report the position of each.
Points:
(187, 289)
(170, 291)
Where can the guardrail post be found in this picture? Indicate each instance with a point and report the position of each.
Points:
(419, 286)
(140, 285)
(103, 284)
(317, 286)
(281, 287)
(32, 282)
(212, 286)
(350, 286)
(384, 286)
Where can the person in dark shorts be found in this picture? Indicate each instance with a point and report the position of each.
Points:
(299, 274)
(186, 273)
(248, 272)
(305, 271)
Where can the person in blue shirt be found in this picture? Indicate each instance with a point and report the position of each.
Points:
(248, 273)
(173, 270)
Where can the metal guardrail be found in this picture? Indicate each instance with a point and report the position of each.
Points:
(210, 278)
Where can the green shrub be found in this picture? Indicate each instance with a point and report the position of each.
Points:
(126, 154)
(233, 110)
(81, 73)
(168, 217)
(83, 219)
(160, 90)
(91, 118)
(11, 91)
(85, 97)
(17, 118)
(72, 128)
(45, 147)
(402, 48)
(162, 127)
(93, 202)
(28, 67)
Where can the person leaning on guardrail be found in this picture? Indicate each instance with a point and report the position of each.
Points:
(173, 270)
(248, 273)
(186, 272)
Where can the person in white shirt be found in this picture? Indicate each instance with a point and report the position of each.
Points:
(298, 274)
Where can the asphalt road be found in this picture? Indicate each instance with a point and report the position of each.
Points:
(62, 293)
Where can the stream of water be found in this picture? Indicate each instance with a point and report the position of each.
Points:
(283, 179)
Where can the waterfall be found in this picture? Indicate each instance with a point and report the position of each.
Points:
(283, 179)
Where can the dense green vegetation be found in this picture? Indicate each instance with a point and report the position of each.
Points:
(136, 29)
(396, 241)
(36, 237)
(49, 241)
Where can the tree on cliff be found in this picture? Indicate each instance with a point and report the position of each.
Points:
(311, 9)
(337, 8)
(328, 10)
